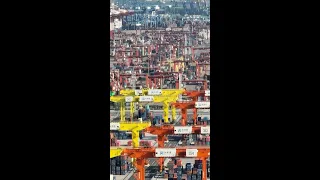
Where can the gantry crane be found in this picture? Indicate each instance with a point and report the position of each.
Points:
(162, 131)
(141, 154)
(156, 99)
(167, 96)
(185, 105)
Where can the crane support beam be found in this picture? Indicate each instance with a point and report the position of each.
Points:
(165, 92)
(203, 152)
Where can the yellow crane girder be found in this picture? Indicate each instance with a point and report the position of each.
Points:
(156, 99)
(165, 92)
(114, 152)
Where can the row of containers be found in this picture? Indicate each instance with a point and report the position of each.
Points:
(199, 139)
(115, 136)
(122, 135)
(120, 165)
(176, 171)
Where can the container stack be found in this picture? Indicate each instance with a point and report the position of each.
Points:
(203, 121)
(142, 113)
(121, 135)
(113, 140)
(189, 171)
(174, 170)
(208, 169)
(142, 143)
(177, 172)
(198, 169)
(157, 120)
(202, 140)
(141, 135)
(120, 165)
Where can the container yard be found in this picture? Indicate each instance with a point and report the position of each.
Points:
(160, 90)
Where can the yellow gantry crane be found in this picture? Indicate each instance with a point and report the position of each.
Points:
(165, 97)
(135, 128)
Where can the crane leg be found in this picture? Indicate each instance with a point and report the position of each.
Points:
(165, 112)
(204, 168)
(184, 119)
(135, 138)
(161, 161)
(195, 116)
(161, 145)
(173, 109)
(140, 167)
(122, 111)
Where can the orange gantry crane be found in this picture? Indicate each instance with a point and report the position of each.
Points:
(141, 154)
(162, 131)
(185, 105)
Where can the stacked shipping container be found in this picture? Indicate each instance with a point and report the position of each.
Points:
(177, 172)
(120, 165)
(174, 170)
(113, 140)
(142, 143)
